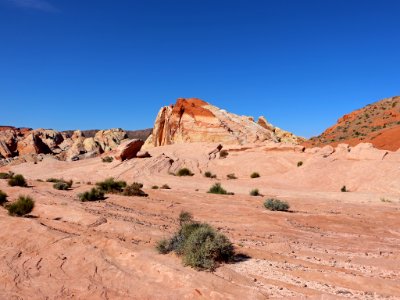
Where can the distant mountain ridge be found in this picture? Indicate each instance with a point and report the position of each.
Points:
(377, 123)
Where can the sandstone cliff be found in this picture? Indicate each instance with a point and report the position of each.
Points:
(194, 120)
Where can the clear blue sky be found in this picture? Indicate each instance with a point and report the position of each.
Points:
(68, 64)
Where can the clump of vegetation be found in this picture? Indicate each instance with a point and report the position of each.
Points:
(209, 175)
(199, 244)
(231, 176)
(60, 184)
(111, 186)
(276, 205)
(218, 189)
(386, 200)
(255, 192)
(344, 189)
(135, 189)
(165, 187)
(24, 205)
(17, 180)
(6, 175)
(93, 195)
(107, 159)
(254, 175)
(154, 187)
(223, 154)
(184, 172)
(299, 163)
(3, 197)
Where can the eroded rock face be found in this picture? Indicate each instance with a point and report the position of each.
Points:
(193, 120)
(128, 149)
(110, 139)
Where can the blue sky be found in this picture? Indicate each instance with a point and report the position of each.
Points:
(69, 64)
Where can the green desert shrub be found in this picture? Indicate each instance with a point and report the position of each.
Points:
(231, 176)
(154, 187)
(17, 180)
(3, 197)
(344, 189)
(276, 205)
(61, 186)
(223, 153)
(184, 172)
(24, 205)
(218, 189)
(299, 163)
(107, 159)
(6, 175)
(111, 186)
(254, 175)
(135, 189)
(208, 174)
(199, 244)
(92, 195)
(254, 192)
(165, 187)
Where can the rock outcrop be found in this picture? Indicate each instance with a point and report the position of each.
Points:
(128, 149)
(377, 123)
(193, 120)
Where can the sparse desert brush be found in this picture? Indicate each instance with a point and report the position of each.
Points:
(299, 163)
(386, 200)
(276, 205)
(17, 180)
(255, 175)
(199, 244)
(344, 189)
(154, 187)
(223, 154)
(165, 187)
(93, 195)
(107, 159)
(6, 175)
(208, 174)
(111, 186)
(184, 172)
(254, 192)
(61, 186)
(3, 197)
(135, 189)
(24, 205)
(231, 176)
(218, 189)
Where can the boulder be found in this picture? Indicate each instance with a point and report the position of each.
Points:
(128, 149)
(110, 139)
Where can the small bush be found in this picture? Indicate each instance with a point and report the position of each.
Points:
(134, 190)
(17, 180)
(24, 205)
(231, 176)
(165, 187)
(299, 163)
(92, 195)
(154, 187)
(223, 154)
(254, 192)
(6, 175)
(344, 189)
(61, 186)
(199, 244)
(209, 175)
(185, 217)
(254, 175)
(276, 205)
(107, 159)
(111, 186)
(217, 189)
(184, 172)
(3, 197)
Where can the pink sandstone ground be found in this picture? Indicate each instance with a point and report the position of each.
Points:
(331, 245)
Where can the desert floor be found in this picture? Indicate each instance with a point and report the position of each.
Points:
(330, 245)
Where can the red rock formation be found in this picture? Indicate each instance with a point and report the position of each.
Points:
(128, 149)
(377, 123)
